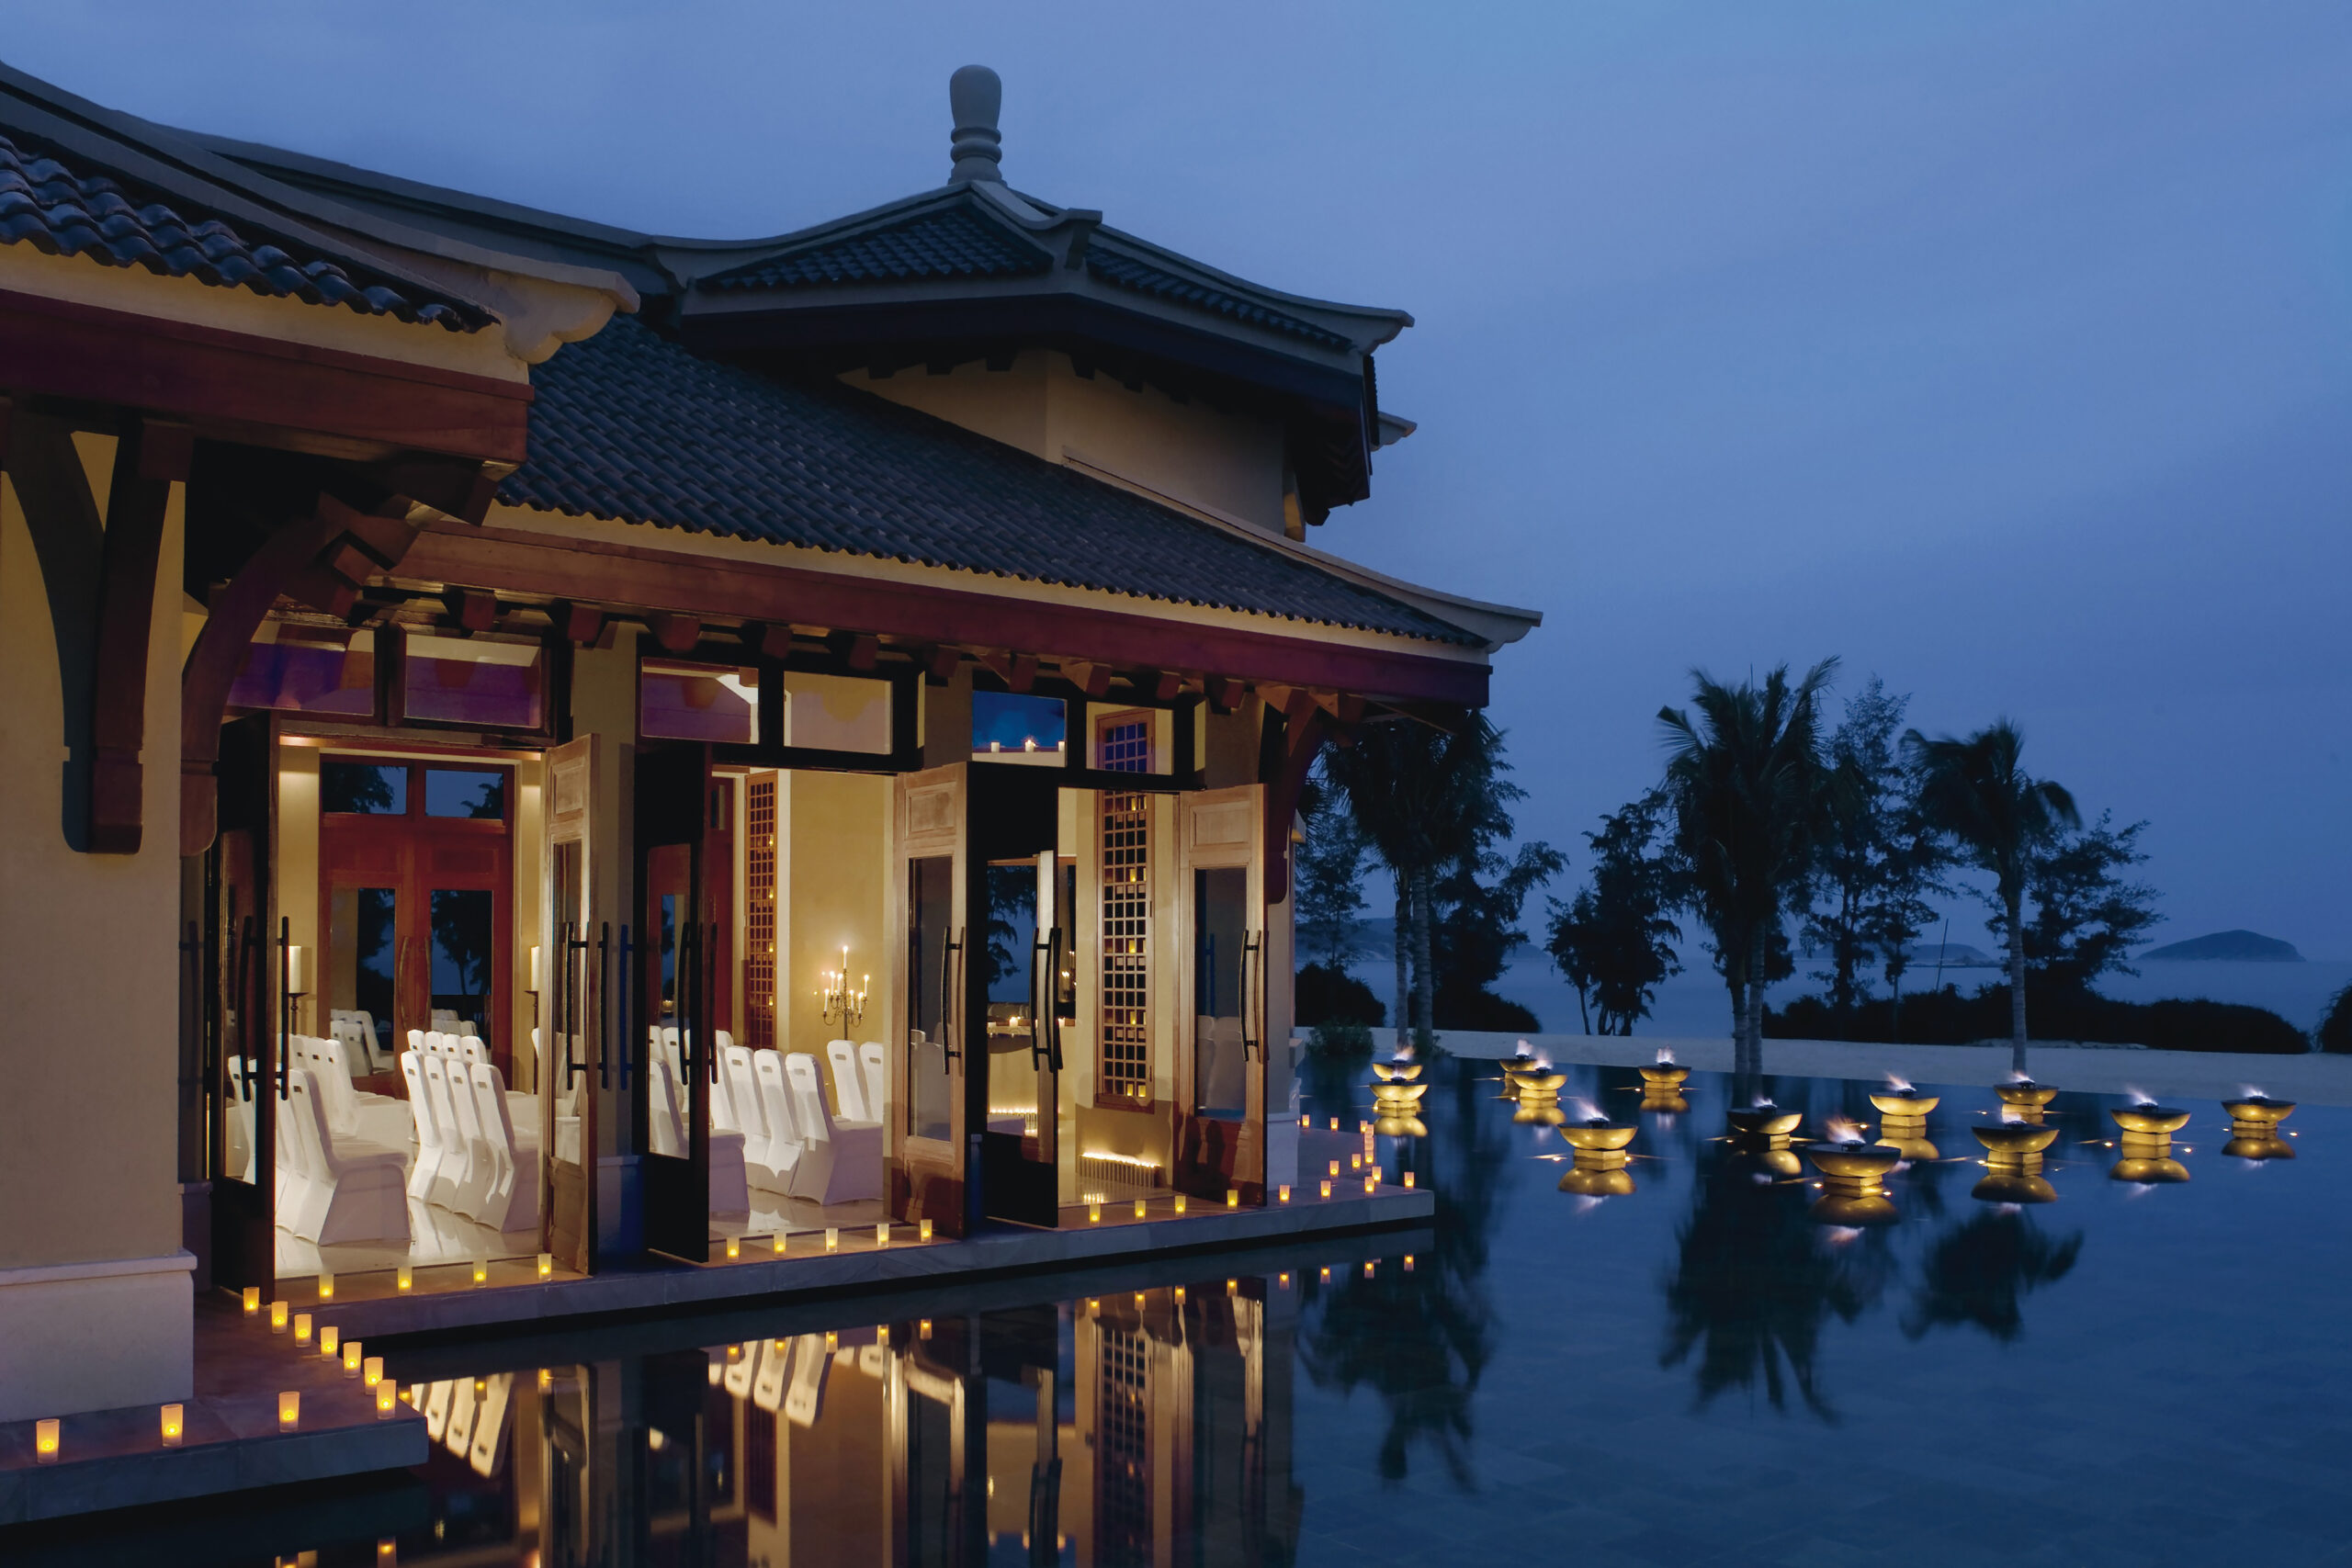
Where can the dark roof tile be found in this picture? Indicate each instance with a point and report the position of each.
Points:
(1147, 278)
(953, 243)
(61, 212)
(630, 426)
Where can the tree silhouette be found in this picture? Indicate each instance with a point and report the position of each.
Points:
(1981, 1270)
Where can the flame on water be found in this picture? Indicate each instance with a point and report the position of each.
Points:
(1842, 1235)
(2016, 1076)
(1588, 1110)
(2250, 1092)
(1763, 1102)
(1842, 1131)
(1900, 1086)
(1666, 1055)
(2007, 1209)
(1543, 1064)
(2139, 1096)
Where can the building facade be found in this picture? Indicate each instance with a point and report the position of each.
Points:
(527, 742)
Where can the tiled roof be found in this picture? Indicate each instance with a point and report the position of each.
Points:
(61, 212)
(1133, 272)
(953, 243)
(629, 426)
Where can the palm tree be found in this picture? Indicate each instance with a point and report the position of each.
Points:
(1975, 792)
(1423, 798)
(1749, 789)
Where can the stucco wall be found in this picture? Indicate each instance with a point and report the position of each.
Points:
(839, 828)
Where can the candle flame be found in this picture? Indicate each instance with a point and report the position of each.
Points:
(1666, 1055)
(1843, 1130)
(1900, 1086)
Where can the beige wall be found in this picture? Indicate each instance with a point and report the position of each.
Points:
(1188, 452)
(89, 976)
(837, 872)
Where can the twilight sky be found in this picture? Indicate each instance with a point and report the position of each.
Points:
(2004, 349)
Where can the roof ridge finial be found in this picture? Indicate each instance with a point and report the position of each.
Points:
(975, 94)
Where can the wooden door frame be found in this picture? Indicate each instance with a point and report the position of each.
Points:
(1246, 805)
(582, 972)
(929, 1179)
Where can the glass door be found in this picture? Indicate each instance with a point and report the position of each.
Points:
(242, 1012)
(573, 1040)
(1019, 1142)
(926, 1154)
(677, 945)
(1221, 1141)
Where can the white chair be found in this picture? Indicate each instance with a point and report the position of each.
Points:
(293, 1178)
(482, 1169)
(876, 1060)
(804, 1404)
(767, 1385)
(760, 1162)
(470, 1047)
(730, 1188)
(665, 1128)
(455, 1169)
(514, 1200)
(416, 1040)
(361, 1191)
(775, 1104)
(841, 1162)
(241, 1121)
(429, 1148)
(849, 1094)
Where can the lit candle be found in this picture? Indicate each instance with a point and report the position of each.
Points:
(45, 1439)
(1408, 1180)
(174, 1426)
(326, 1286)
(352, 1358)
(1094, 1213)
(1335, 1167)
(547, 1265)
(1355, 1162)
(388, 1552)
(1283, 1194)
(1231, 1286)
(371, 1373)
(302, 1328)
(1408, 1263)
(330, 1341)
(1179, 1295)
(1283, 1282)
(1371, 1184)
(832, 1339)
(1180, 1202)
(1138, 1208)
(883, 1334)
(1367, 1269)
(833, 1238)
(1335, 1123)
(252, 1300)
(294, 969)
(882, 1233)
(776, 1243)
(734, 1248)
(388, 1400)
(1326, 1273)
(925, 1329)
(534, 967)
(1306, 1120)
(1233, 1197)
(407, 1277)
(1326, 1189)
(922, 1230)
(278, 1317)
(482, 1270)
(289, 1409)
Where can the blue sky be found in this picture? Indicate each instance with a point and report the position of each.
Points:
(2003, 350)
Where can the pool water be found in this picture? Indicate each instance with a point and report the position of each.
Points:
(1700, 1370)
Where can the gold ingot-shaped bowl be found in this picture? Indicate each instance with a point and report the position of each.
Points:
(1861, 1164)
(1598, 1135)
(2260, 1108)
(2014, 1187)
(1854, 1211)
(2026, 1095)
(1666, 1075)
(1910, 1148)
(2014, 1140)
(2148, 1172)
(2248, 1145)
(1666, 1103)
(1896, 1102)
(2150, 1120)
(1588, 1182)
(1401, 1127)
(1397, 1069)
(1762, 1121)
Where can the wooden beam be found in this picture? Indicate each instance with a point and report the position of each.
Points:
(1165, 686)
(1225, 693)
(526, 562)
(675, 634)
(767, 640)
(1095, 680)
(1305, 728)
(232, 384)
(577, 623)
(472, 609)
(148, 459)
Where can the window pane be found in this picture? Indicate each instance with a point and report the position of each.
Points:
(1008, 728)
(360, 922)
(366, 789)
(836, 713)
(308, 670)
(931, 915)
(1220, 942)
(461, 960)
(477, 794)
(699, 702)
(474, 680)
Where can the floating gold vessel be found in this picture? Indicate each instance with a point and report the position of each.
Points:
(1540, 1081)
(1663, 1101)
(1899, 1137)
(2025, 1094)
(1400, 1127)
(1905, 1104)
(2014, 1143)
(1397, 1069)
(1600, 1144)
(1589, 1181)
(2258, 1111)
(1767, 1123)
(1665, 1076)
(2150, 1119)
(1856, 1169)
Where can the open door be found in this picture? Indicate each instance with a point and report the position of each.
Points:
(243, 1006)
(1221, 1131)
(573, 1040)
(676, 946)
(927, 1170)
(1015, 820)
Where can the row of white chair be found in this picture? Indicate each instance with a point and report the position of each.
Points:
(783, 1377)
(332, 1189)
(861, 1074)
(770, 1127)
(472, 1158)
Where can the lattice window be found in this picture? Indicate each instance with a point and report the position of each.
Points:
(758, 957)
(1127, 930)
(1123, 1511)
(1123, 745)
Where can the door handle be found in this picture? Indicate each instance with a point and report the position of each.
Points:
(951, 994)
(1052, 1013)
(603, 1016)
(1252, 996)
(1040, 1001)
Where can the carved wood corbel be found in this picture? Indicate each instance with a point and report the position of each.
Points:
(1305, 728)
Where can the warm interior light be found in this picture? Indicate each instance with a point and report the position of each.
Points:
(777, 1243)
(352, 1358)
(832, 1339)
(388, 1552)
(925, 1329)
(1284, 1282)
(302, 1328)
(252, 1300)
(326, 1286)
(278, 1317)
(330, 1341)
(1367, 1269)
(407, 1277)
(45, 1439)
(1408, 1263)
(174, 1426)
(289, 1409)
(371, 1373)
(1179, 1295)
(547, 1265)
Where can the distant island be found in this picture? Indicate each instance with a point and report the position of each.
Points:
(1952, 955)
(2241, 946)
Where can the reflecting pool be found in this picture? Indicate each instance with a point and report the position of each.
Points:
(1688, 1350)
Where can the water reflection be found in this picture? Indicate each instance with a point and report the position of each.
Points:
(1978, 1272)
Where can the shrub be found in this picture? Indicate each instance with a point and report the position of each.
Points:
(2335, 1029)
(1341, 1040)
(1946, 1018)
(1334, 995)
